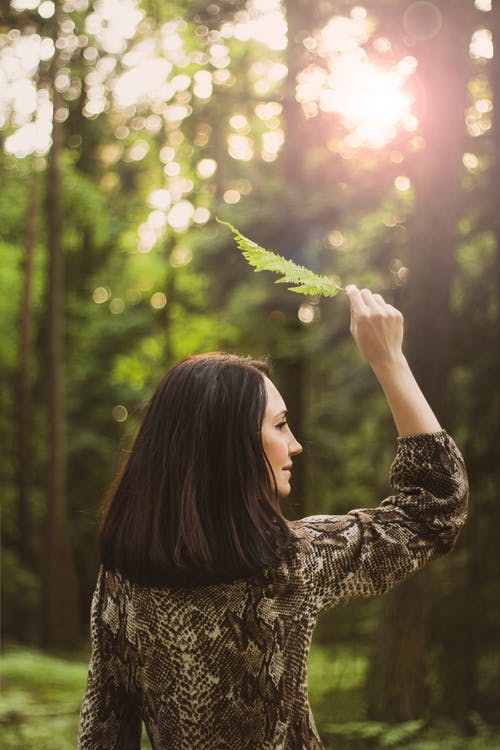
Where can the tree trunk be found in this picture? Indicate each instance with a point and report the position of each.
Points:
(24, 457)
(291, 164)
(494, 181)
(397, 676)
(476, 636)
(60, 601)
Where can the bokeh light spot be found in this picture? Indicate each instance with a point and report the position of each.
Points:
(232, 196)
(206, 168)
(484, 105)
(240, 147)
(238, 122)
(172, 169)
(422, 20)
(167, 154)
(101, 294)
(137, 151)
(119, 413)
(402, 275)
(382, 44)
(481, 45)
(160, 199)
(158, 300)
(402, 183)
(359, 13)
(201, 215)
(180, 215)
(117, 306)
(336, 238)
(202, 84)
(21, 5)
(306, 313)
(470, 161)
(180, 256)
(46, 9)
(268, 110)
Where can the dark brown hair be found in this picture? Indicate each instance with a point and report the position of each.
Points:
(195, 502)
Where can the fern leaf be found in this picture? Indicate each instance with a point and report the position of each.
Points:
(305, 280)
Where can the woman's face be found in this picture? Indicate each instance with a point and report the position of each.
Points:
(278, 441)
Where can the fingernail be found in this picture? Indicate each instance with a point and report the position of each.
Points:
(350, 288)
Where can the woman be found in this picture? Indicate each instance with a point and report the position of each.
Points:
(207, 599)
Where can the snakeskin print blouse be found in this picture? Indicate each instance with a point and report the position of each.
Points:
(224, 667)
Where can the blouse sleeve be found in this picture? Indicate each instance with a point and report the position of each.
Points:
(368, 551)
(108, 718)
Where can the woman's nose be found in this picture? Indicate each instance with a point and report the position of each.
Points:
(295, 447)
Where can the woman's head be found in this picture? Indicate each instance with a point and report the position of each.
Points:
(197, 499)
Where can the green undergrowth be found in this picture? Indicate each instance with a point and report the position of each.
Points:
(335, 682)
(412, 735)
(41, 696)
(42, 693)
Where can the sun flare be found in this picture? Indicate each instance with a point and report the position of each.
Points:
(373, 101)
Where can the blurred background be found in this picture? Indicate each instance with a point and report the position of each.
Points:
(360, 140)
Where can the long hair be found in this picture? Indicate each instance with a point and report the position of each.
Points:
(196, 501)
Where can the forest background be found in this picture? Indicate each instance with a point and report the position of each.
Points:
(360, 140)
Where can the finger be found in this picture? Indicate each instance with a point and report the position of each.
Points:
(369, 299)
(367, 295)
(378, 299)
(355, 299)
(373, 300)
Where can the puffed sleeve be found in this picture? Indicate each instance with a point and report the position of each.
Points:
(108, 717)
(368, 551)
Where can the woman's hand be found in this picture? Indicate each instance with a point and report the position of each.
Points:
(377, 329)
(376, 326)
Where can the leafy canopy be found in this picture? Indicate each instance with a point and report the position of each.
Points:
(307, 282)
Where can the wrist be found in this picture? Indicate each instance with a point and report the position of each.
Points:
(390, 367)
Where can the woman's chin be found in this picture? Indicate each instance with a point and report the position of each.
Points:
(284, 490)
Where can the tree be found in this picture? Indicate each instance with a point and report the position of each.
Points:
(399, 669)
(24, 462)
(60, 600)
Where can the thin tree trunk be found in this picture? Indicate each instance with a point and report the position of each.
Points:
(291, 163)
(61, 622)
(24, 457)
(398, 671)
(494, 22)
(476, 637)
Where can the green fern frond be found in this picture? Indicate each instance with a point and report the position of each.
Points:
(305, 280)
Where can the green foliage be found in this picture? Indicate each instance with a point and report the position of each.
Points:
(307, 281)
(22, 592)
(378, 733)
(41, 700)
(335, 668)
(411, 735)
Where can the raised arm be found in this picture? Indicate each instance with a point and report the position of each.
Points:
(377, 329)
(370, 550)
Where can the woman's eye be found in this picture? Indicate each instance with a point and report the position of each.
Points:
(280, 425)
